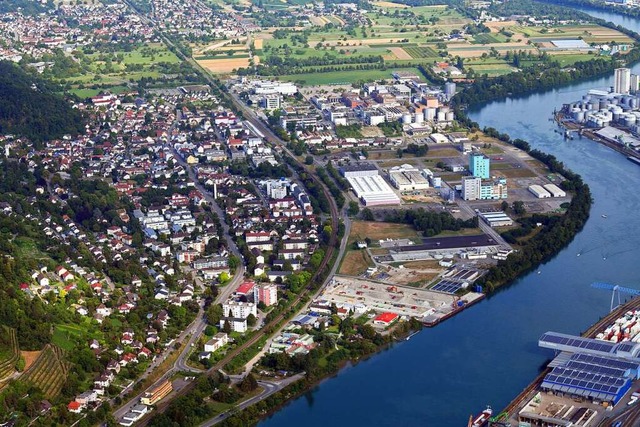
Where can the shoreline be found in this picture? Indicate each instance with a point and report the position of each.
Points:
(590, 134)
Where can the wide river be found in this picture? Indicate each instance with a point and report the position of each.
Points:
(489, 353)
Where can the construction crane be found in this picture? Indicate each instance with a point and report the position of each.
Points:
(615, 289)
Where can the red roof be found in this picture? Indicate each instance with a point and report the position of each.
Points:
(73, 406)
(245, 288)
(386, 317)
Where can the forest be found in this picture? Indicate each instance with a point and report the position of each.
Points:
(430, 223)
(31, 108)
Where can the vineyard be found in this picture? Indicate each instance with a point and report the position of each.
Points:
(421, 52)
(48, 372)
(10, 357)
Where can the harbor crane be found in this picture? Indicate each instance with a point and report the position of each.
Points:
(615, 289)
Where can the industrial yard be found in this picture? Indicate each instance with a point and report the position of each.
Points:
(363, 296)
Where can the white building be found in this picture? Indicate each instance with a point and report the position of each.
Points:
(407, 177)
(373, 190)
(239, 309)
(217, 342)
(555, 190)
(539, 192)
(622, 80)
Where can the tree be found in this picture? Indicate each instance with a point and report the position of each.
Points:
(518, 207)
(226, 327)
(224, 277)
(251, 320)
(504, 206)
(308, 160)
(248, 383)
(354, 208)
(367, 215)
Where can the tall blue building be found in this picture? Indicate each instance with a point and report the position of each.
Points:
(479, 165)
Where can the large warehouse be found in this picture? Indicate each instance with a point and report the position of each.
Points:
(373, 190)
(407, 178)
(597, 370)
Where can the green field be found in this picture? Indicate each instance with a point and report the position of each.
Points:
(487, 38)
(343, 77)
(419, 52)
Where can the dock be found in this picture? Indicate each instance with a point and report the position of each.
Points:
(529, 392)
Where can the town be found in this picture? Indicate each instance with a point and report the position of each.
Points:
(230, 221)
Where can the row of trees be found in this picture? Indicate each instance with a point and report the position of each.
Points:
(429, 222)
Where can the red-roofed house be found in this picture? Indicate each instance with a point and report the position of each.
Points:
(246, 288)
(75, 407)
(385, 319)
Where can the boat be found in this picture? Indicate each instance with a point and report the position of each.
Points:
(481, 419)
(604, 216)
(634, 160)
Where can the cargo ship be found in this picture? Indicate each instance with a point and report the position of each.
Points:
(634, 160)
(481, 419)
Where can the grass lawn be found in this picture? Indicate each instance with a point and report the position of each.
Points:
(355, 263)
(380, 230)
(65, 336)
(342, 77)
(462, 232)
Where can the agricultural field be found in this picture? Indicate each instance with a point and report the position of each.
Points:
(121, 70)
(48, 372)
(342, 77)
(355, 262)
(9, 352)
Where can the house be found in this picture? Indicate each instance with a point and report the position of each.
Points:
(75, 407)
(217, 342)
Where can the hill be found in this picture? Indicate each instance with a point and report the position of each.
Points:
(29, 107)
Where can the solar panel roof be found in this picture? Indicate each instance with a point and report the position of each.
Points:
(577, 342)
(604, 361)
(447, 286)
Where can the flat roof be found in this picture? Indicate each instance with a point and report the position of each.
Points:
(570, 44)
(435, 243)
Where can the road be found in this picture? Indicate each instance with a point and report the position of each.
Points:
(273, 139)
(269, 388)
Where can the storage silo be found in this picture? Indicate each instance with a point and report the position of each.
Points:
(406, 118)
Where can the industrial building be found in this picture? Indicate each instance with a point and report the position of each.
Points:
(407, 177)
(479, 165)
(358, 170)
(372, 190)
(496, 219)
(622, 80)
(539, 192)
(555, 190)
(600, 371)
(475, 188)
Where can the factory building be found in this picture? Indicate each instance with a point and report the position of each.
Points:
(359, 170)
(373, 190)
(479, 165)
(539, 192)
(600, 371)
(475, 188)
(407, 177)
(496, 219)
(622, 80)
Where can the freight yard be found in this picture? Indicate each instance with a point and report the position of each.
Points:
(593, 380)
(363, 296)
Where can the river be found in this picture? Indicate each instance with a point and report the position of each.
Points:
(489, 353)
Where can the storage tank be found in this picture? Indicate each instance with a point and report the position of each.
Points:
(630, 120)
(419, 117)
(450, 116)
(429, 114)
(441, 116)
(603, 105)
(633, 103)
(406, 119)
